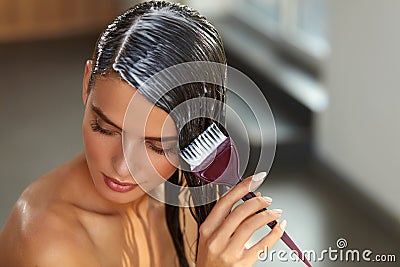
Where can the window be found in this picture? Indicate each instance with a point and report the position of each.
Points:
(286, 40)
(301, 24)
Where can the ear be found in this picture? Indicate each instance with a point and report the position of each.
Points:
(86, 78)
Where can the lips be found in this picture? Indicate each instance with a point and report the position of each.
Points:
(118, 186)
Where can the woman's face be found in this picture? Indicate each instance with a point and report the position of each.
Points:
(148, 165)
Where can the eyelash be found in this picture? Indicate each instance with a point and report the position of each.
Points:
(97, 128)
(160, 150)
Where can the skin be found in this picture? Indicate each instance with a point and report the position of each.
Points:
(70, 217)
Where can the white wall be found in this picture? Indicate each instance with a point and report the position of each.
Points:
(359, 132)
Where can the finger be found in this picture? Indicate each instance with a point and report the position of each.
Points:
(266, 243)
(239, 215)
(249, 226)
(225, 204)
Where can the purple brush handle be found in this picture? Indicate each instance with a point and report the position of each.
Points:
(285, 237)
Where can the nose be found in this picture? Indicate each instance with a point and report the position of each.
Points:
(120, 166)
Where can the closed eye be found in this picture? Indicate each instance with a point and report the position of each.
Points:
(94, 124)
(160, 150)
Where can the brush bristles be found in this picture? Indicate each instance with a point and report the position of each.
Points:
(198, 150)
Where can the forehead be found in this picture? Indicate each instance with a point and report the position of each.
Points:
(126, 107)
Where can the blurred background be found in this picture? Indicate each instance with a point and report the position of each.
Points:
(328, 68)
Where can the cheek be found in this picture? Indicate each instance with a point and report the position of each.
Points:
(95, 149)
(163, 166)
(90, 144)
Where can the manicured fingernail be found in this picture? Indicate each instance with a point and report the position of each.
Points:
(257, 180)
(277, 211)
(268, 199)
(259, 176)
(282, 225)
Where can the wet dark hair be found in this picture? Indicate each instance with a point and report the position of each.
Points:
(146, 39)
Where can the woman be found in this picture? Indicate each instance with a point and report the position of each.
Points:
(90, 211)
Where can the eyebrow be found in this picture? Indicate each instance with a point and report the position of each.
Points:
(101, 114)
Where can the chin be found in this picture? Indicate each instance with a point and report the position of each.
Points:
(121, 198)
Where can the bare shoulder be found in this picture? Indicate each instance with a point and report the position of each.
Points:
(43, 232)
